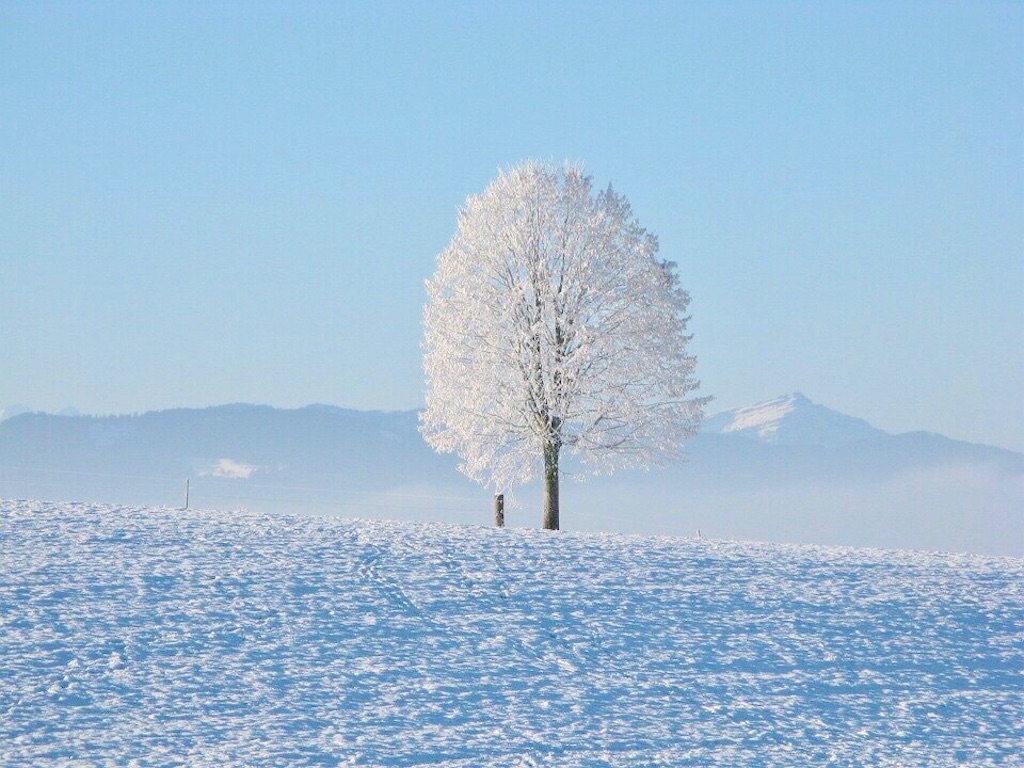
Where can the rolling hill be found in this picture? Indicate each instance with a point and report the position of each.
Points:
(135, 636)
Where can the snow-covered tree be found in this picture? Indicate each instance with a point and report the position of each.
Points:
(551, 324)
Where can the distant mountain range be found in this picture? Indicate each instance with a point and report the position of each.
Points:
(784, 470)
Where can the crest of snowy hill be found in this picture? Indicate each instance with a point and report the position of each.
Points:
(134, 636)
(791, 420)
(788, 470)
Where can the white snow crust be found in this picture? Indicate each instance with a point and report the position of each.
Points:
(138, 637)
(791, 420)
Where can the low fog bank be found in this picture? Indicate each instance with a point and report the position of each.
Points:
(914, 491)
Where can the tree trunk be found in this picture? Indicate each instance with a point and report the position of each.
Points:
(551, 451)
(499, 510)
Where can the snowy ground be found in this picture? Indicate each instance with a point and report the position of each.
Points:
(160, 637)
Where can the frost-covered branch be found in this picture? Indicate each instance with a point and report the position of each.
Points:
(550, 322)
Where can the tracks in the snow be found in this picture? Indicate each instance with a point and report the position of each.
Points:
(373, 571)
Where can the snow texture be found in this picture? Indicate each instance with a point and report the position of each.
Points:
(136, 636)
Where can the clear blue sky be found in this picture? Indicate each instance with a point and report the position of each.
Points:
(208, 203)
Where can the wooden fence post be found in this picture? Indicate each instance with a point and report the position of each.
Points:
(499, 510)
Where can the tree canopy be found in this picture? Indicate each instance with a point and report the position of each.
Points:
(552, 324)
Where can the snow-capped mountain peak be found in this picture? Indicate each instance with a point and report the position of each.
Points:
(765, 418)
(791, 420)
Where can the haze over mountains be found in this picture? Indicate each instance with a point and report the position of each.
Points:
(784, 470)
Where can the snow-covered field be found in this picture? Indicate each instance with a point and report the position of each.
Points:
(161, 637)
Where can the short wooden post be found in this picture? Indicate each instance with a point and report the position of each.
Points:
(499, 510)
